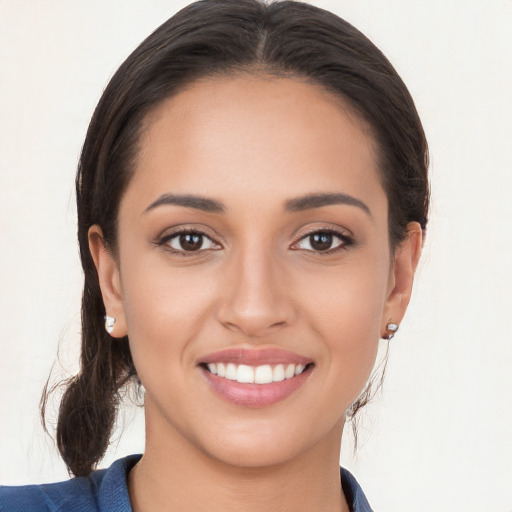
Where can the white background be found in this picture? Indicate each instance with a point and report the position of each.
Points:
(439, 438)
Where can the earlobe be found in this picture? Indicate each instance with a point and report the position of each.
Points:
(109, 280)
(401, 278)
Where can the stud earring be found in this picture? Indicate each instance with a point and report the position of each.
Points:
(390, 331)
(109, 323)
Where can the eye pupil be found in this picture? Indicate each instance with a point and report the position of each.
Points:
(191, 241)
(321, 241)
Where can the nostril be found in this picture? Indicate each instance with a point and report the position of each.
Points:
(254, 327)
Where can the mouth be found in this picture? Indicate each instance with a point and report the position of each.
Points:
(261, 374)
(255, 378)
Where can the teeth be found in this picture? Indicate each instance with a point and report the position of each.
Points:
(245, 374)
(289, 372)
(264, 374)
(278, 373)
(230, 371)
(299, 369)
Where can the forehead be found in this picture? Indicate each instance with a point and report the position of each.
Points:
(251, 135)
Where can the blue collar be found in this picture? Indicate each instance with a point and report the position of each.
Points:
(114, 490)
(106, 490)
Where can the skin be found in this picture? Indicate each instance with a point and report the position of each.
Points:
(252, 143)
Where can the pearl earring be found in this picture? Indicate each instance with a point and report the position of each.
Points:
(390, 331)
(109, 323)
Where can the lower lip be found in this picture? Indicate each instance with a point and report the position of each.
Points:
(255, 395)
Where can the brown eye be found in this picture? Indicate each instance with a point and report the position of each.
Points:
(323, 241)
(190, 242)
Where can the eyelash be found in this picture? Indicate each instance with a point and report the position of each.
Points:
(346, 241)
(167, 238)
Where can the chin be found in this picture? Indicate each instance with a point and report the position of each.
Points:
(253, 456)
(259, 444)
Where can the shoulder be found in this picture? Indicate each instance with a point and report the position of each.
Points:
(77, 492)
(353, 493)
(101, 491)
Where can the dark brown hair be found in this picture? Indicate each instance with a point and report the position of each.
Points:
(213, 37)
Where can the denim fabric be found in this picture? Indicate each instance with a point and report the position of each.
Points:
(106, 490)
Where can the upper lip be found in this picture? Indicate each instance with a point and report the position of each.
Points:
(254, 357)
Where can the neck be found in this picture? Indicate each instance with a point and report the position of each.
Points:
(176, 476)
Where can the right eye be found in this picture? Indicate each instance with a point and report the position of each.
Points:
(189, 241)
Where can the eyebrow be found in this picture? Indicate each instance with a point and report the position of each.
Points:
(297, 204)
(318, 200)
(188, 201)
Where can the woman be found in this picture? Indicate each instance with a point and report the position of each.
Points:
(252, 198)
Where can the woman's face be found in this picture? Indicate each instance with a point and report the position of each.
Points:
(253, 240)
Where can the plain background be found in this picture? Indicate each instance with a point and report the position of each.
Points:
(439, 438)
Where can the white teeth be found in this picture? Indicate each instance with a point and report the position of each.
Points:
(278, 373)
(245, 374)
(230, 371)
(290, 371)
(264, 374)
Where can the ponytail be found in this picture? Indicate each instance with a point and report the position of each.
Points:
(88, 408)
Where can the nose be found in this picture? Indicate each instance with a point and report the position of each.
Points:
(255, 298)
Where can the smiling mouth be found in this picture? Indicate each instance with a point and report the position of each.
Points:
(255, 377)
(262, 374)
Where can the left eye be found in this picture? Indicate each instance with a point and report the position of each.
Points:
(190, 242)
(321, 241)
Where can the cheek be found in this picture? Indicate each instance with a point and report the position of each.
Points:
(165, 309)
(349, 299)
(346, 310)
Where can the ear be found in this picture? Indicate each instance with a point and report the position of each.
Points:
(109, 279)
(401, 276)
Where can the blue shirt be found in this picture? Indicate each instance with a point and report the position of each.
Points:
(106, 490)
